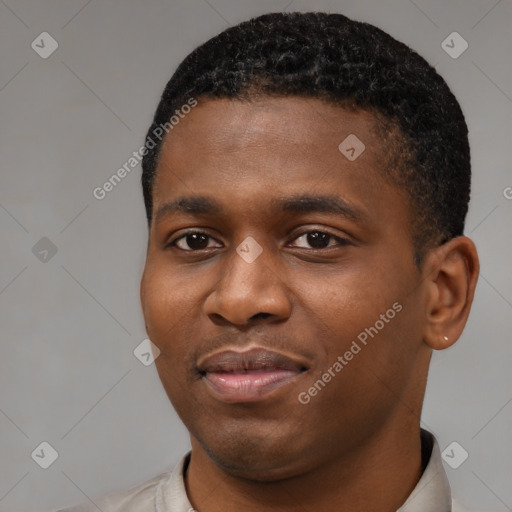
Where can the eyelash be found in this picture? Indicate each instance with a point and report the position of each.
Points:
(341, 241)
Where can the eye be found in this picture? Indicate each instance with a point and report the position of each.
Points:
(199, 240)
(195, 240)
(321, 239)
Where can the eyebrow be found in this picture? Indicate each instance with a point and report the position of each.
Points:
(204, 205)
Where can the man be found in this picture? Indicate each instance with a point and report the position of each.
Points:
(306, 181)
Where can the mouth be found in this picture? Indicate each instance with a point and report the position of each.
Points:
(249, 376)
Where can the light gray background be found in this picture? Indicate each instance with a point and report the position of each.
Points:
(69, 326)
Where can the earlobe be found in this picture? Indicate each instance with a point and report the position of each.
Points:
(452, 278)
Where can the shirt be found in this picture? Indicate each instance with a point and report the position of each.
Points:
(166, 492)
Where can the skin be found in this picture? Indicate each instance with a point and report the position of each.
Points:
(361, 431)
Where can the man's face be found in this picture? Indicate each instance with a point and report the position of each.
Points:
(327, 275)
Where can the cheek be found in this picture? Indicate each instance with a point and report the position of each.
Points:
(388, 356)
(168, 303)
(365, 317)
(349, 301)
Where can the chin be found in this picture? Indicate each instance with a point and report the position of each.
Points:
(254, 457)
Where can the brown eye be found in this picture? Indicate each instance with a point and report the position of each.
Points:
(193, 241)
(320, 240)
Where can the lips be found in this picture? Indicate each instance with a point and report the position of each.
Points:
(248, 376)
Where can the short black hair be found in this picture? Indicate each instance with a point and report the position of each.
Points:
(354, 64)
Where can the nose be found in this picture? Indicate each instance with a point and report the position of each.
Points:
(248, 292)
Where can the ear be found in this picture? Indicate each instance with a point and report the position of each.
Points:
(451, 272)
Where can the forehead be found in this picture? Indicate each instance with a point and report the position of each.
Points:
(303, 122)
(256, 150)
(281, 132)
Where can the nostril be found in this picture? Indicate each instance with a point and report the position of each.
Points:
(260, 315)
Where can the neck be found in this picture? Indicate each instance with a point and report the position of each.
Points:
(377, 476)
